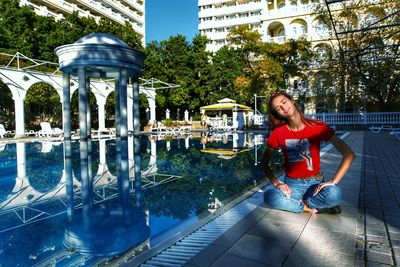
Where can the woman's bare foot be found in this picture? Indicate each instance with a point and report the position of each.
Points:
(307, 209)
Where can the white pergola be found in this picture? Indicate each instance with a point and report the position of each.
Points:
(19, 79)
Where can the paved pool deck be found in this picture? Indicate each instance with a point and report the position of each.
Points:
(367, 233)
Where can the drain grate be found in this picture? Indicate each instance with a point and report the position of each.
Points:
(182, 251)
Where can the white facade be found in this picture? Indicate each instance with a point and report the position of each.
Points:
(120, 11)
(276, 20)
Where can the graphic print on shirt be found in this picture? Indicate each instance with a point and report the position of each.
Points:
(298, 150)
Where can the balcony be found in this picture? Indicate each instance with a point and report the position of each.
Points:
(135, 5)
(276, 39)
(229, 22)
(211, 2)
(230, 10)
(116, 5)
(217, 35)
(289, 11)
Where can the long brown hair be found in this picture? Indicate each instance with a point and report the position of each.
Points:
(275, 120)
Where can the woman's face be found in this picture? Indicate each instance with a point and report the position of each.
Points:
(283, 106)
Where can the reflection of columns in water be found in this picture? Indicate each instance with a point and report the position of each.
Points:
(235, 137)
(153, 155)
(68, 178)
(137, 152)
(89, 134)
(102, 158)
(122, 128)
(83, 131)
(168, 145)
(21, 160)
(187, 143)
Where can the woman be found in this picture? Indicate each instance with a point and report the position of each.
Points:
(304, 187)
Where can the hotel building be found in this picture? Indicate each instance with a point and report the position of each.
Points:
(120, 11)
(276, 21)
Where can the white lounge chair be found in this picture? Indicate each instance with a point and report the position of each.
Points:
(4, 132)
(378, 129)
(46, 147)
(47, 131)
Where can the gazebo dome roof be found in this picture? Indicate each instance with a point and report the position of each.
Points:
(101, 39)
(102, 55)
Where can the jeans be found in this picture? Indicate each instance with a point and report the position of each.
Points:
(303, 189)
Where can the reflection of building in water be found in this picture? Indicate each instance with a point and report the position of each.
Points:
(233, 143)
(23, 197)
(25, 204)
(214, 205)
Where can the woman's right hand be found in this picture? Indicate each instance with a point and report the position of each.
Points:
(285, 189)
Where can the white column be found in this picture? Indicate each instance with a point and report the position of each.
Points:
(66, 106)
(275, 4)
(101, 103)
(235, 122)
(186, 115)
(152, 106)
(130, 114)
(19, 117)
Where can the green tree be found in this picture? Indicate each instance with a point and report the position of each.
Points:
(200, 83)
(366, 62)
(267, 66)
(42, 104)
(227, 64)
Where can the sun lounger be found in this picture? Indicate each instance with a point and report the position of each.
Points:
(396, 132)
(30, 133)
(47, 131)
(378, 129)
(4, 132)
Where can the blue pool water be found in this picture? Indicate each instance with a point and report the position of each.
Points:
(45, 219)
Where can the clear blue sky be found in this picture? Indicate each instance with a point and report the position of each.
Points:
(165, 18)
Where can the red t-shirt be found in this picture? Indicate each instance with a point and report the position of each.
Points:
(301, 148)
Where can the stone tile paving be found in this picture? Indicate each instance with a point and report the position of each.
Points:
(367, 233)
(378, 242)
(277, 238)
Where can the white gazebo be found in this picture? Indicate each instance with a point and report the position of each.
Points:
(102, 56)
(241, 114)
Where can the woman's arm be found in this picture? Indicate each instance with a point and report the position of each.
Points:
(270, 174)
(347, 159)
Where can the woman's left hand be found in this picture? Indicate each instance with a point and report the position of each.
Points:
(322, 185)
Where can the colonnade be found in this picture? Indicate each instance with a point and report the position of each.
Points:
(19, 82)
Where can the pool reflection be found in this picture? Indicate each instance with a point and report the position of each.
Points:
(94, 215)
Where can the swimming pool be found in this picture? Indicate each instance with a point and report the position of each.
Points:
(46, 219)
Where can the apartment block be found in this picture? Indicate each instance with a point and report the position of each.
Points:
(120, 11)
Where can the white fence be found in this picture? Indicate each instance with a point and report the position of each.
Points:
(347, 118)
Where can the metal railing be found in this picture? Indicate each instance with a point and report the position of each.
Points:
(362, 118)
(358, 118)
